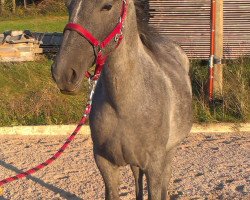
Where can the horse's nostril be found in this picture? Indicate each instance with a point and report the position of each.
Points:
(73, 78)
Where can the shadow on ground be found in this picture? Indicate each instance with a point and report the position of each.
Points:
(56, 190)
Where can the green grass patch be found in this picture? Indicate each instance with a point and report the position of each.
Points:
(35, 24)
(30, 97)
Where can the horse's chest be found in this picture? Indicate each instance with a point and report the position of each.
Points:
(121, 149)
(125, 132)
(124, 140)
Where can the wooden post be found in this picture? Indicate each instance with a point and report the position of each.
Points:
(218, 67)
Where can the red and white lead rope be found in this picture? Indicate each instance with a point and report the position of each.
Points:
(62, 149)
(115, 35)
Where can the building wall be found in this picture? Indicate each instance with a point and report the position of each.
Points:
(188, 23)
(236, 28)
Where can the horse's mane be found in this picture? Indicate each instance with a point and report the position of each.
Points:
(149, 35)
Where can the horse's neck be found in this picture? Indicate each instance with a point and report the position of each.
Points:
(125, 59)
(125, 71)
(123, 74)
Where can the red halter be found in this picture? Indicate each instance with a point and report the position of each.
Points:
(116, 34)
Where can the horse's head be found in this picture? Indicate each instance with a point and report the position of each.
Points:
(76, 54)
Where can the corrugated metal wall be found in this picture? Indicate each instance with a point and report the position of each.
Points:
(236, 28)
(188, 23)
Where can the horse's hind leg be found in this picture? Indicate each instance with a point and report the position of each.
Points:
(138, 175)
(167, 174)
(110, 175)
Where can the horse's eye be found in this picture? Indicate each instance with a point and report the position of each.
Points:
(107, 7)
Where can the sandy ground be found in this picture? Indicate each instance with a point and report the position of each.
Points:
(207, 166)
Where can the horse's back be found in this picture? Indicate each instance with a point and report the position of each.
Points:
(174, 55)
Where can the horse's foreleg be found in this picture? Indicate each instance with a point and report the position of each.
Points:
(167, 174)
(110, 175)
(154, 174)
(138, 175)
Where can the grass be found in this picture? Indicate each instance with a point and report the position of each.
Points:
(234, 106)
(29, 96)
(35, 9)
(35, 24)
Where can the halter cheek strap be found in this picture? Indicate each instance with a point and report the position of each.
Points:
(115, 35)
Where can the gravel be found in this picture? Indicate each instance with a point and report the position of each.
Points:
(206, 166)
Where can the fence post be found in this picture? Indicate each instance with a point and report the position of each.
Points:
(218, 67)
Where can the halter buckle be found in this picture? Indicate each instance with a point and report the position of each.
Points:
(117, 36)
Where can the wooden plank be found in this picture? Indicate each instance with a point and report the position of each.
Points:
(16, 46)
(218, 67)
(17, 52)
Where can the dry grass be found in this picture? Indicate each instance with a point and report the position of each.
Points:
(235, 103)
(45, 7)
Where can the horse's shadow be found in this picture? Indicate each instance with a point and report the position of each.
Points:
(63, 193)
(2, 198)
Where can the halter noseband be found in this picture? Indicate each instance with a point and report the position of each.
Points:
(115, 35)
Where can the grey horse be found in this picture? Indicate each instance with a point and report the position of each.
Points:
(142, 103)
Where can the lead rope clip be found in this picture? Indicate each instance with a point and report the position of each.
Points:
(92, 86)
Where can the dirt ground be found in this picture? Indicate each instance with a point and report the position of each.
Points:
(207, 166)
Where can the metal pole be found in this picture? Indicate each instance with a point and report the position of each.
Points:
(212, 47)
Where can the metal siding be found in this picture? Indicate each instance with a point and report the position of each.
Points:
(188, 23)
(236, 28)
